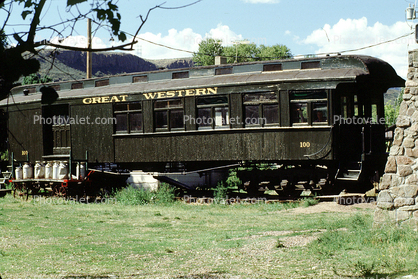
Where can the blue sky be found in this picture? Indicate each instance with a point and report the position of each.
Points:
(306, 27)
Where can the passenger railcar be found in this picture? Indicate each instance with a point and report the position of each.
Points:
(313, 122)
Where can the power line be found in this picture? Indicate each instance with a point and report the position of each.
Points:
(251, 57)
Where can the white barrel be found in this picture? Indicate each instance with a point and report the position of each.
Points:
(27, 171)
(48, 170)
(63, 170)
(81, 170)
(55, 169)
(19, 173)
(39, 170)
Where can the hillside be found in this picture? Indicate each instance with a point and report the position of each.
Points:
(70, 65)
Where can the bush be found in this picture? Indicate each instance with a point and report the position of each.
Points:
(220, 192)
(134, 196)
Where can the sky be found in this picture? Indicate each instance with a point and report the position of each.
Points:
(306, 27)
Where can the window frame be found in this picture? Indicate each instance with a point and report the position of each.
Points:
(310, 107)
(212, 113)
(128, 112)
(168, 109)
(261, 104)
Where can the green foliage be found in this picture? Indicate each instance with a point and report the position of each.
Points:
(377, 249)
(239, 52)
(208, 49)
(233, 181)
(220, 192)
(309, 202)
(36, 78)
(134, 196)
(392, 110)
(4, 156)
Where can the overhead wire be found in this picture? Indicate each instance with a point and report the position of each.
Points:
(251, 57)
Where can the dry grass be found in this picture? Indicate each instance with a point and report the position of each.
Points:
(47, 240)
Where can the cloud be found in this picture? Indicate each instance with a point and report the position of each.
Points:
(185, 39)
(261, 1)
(80, 41)
(153, 45)
(351, 34)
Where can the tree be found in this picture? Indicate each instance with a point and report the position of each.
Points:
(239, 52)
(18, 59)
(36, 78)
(208, 49)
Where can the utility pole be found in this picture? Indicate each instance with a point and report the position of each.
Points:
(89, 54)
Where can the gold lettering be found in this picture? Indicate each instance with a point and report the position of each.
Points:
(95, 100)
(201, 91)
(190, 92)
(115, 99)
(213, 90)
(87, 101)
(161, 95)
(171, 94)
(150, 95)
(105, 100)
(180, 93)
(123, 97)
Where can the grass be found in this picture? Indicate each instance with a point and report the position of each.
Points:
(56, 239)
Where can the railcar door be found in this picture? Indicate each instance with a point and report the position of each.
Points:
(56, 130)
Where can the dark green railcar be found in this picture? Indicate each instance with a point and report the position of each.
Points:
(315, 121)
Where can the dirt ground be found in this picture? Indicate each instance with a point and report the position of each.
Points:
(332, 207)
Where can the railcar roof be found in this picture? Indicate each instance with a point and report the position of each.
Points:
(335, 68)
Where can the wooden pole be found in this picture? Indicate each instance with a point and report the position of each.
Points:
(89, 54)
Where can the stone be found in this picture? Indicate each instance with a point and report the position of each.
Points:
(412, 179)
(398, 136)
(407, 96)
(397, 180)
(404, 191)
(413, 91)
(395, 150)
(404, 121)
(411, 111)
(386, 182)
(414, 116)
(403, 108)
(399, 202)
(385, 200)
(391, 165)
(403, 160)
(408, 142)
(410, 83)
(409, 208)
(399, 215)
(404, 170)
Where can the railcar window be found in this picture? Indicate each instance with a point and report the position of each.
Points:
(128, 117)
(261, 109)
(168, 115)
(212, 112)
(309, 107)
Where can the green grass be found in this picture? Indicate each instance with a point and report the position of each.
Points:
(55, 239)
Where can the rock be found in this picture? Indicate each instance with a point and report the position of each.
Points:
(403, 121)
(385, 200)
(408, 142)
(386, 182)
(404, 170)
(399, 215)
(404, 191)
(404, 160)
(399, 202)
(391, 165)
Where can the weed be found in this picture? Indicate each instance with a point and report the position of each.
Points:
(134, 196)
(220, 192)
(309, 202)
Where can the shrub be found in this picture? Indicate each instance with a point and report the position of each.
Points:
(134, 196)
